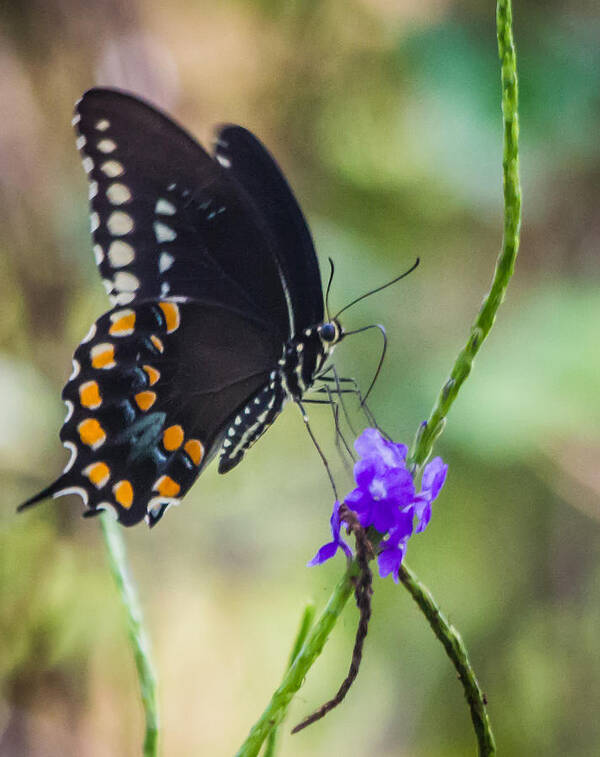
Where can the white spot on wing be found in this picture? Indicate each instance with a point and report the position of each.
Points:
(73, 450)
(73, 490)
(120, 253)
(102, 124)
(164, 289)
(225, 162)
(76, 119)
(98, 254)
(165, 261)
(163, 232)
(165, 208)
(76, 369)
(109, 508)
(88, 164)
(112, 168)
(80, 142)
(94, 222)
(126, 282)
(106, 146)
(119, 223)
(90, 335)
(123, 298)
(70, 408)
(118, 194)
(92, 189)
(156, 503)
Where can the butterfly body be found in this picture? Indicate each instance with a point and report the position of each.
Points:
(218, 309)
(300, 362)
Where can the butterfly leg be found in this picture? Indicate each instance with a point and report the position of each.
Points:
(353, 389)
(340, 439)
(339, 436)
(335, 378)
(318, 447)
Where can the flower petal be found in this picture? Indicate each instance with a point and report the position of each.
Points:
(365, 471)
(384, 515)
(402, 528)
(366, 444)
(326, 552)
(389, 561)
(372, 444)
(362, 504)
(434, 477)
(422, 512)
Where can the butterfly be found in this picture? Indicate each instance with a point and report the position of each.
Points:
(217, 317)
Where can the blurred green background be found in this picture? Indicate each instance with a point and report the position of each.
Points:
(385, 116)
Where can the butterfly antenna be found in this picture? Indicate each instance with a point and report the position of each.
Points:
(378, 289)
(331, 272)
(381, 359)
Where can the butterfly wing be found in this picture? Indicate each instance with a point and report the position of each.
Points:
(248, 160)
(167, 219)
(153, 391)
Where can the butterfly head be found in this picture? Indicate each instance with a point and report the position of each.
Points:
(330, 333)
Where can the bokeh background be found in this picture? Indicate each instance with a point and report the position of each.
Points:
(385, 115)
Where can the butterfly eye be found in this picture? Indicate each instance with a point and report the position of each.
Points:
(328, 332)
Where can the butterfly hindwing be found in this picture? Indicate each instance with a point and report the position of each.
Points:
(147, 409)
(167, 220)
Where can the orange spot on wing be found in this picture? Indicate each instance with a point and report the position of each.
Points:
(145, 400)
(123, 491)
(172, 438)
(153, 374)
(195, 450)
(103, 355)
(123, 323)
(91, 433)
(166, 487)
(98, 474)
(172, 317)
(89, 395)
(157, 343)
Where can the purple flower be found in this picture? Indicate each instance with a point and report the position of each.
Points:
(383, 482)
(385, 498)
(328, 550)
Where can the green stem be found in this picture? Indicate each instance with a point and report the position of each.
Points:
(305, 624)
(294, 677)
(457, 652)
(429, 431)
(138, 637)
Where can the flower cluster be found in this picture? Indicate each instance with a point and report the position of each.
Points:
(385, 498)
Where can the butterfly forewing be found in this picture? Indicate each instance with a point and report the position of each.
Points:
(166, 218)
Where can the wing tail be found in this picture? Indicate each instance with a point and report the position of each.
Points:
(56, 488)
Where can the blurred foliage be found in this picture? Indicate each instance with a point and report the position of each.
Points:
(386, 117)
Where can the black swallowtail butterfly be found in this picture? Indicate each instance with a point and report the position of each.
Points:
(217, 315)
